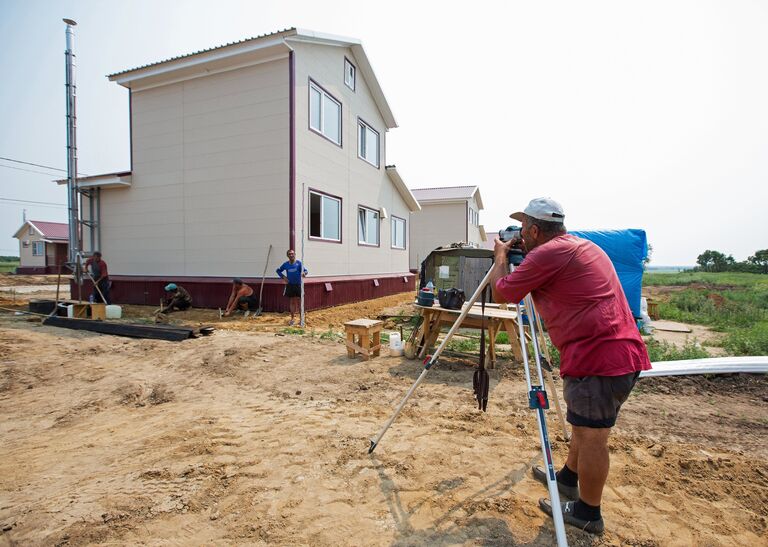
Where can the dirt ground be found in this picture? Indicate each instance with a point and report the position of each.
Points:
(254, 436)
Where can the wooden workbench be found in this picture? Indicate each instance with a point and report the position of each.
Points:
(496, 320)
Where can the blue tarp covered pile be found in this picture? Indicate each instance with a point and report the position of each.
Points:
(627, 249)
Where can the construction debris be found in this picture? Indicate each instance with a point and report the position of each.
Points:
(158, 332)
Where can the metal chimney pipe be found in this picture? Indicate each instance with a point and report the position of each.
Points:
(72, 194)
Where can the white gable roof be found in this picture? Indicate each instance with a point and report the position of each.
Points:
(402, 189)
(448, 193)
(247, 52)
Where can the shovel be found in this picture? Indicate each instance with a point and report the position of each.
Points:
(481, 380)
(409, 349)
(263, 276)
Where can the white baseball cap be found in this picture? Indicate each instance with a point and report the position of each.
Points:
(542, 209)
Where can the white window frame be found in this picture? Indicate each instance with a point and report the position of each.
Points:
(322, 236)
(323, 94)
(40, 245)
(362, 139)
(350, 74)
(31, 230)
(367, 211)
(394, 245)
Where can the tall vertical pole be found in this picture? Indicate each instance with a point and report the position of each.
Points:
(301, 273)
(71, 88)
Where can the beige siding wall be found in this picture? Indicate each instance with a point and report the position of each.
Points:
(436, 225)
(473, 230)
(210, 177)
(324, 166)
(25, 253)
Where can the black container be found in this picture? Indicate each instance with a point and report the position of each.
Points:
(425, 298)
(42, 306)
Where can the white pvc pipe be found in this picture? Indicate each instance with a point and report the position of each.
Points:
(713, 365)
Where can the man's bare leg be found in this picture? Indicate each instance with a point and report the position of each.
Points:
(588, 456)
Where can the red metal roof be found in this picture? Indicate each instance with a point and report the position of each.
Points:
(51, 230)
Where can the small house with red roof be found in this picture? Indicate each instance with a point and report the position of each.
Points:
(43, 246)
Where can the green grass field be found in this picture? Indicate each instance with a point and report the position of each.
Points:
(733, 303)
(8, 267)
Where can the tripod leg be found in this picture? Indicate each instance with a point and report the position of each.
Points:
(551, 382)
(548, 375)
(537, 400)
(459, 320)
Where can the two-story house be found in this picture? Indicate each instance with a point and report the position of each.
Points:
(276, 140)
(449, 214)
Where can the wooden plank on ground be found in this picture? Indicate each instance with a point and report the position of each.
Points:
(173, 334)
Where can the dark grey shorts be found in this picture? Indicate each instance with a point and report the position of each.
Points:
(594, 401)
(251, 302)
(292, 291)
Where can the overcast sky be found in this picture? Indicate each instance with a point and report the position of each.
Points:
(637, 114)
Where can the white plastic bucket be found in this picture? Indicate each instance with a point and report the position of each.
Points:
(70, 310)
(114, 311)
(395, 341)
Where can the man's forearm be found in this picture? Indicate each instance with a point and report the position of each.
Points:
(498, 271)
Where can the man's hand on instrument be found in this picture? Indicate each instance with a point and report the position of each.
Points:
(501, 248)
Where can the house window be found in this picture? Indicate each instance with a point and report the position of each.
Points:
(367, 226)
(367, 143)
(398, 233)
(349, 74)
(31, 231)
(38, 248)
(324, 216)
(324, 113)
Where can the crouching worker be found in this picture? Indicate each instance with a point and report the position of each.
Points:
(241, 298)
(177, 298)
(579, 297)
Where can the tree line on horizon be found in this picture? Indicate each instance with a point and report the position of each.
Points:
(715, 261)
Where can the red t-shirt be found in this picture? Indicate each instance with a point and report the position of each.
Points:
(577, 292)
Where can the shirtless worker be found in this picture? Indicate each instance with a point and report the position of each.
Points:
(241, 298)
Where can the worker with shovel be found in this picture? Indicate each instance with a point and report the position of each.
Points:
(100, 277)
(294, 271)
(578, 294)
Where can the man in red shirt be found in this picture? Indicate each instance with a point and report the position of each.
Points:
(100, 276)
(579, 297)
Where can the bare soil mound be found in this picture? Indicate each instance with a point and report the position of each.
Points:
(261, 438)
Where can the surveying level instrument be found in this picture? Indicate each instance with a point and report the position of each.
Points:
(537, 395)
